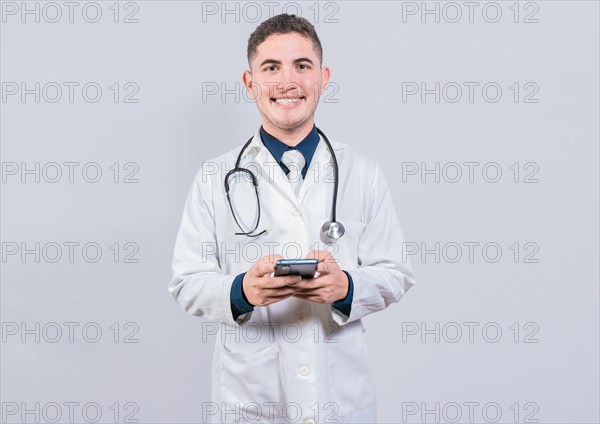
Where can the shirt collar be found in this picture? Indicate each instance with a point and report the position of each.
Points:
(277, 148)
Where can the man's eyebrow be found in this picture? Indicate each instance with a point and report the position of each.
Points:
(273, 61)
(303, 59)
(278, 62)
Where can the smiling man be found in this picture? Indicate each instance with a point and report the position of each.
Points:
(286, 80)
(289, 349)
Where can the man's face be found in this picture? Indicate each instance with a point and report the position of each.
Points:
(286, 80)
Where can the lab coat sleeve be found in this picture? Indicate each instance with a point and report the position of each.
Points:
(383, 276)
(199, 284)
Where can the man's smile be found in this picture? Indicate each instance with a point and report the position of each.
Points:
(288, 102)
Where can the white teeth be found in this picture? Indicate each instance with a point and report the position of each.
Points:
(287, 101)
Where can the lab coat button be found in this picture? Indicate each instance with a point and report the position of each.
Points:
(309, 421)
(304, 370)
(295, 212)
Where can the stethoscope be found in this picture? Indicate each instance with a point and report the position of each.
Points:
(331, 229)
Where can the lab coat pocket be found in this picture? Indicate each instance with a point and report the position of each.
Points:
(251, 378)
(345, 249)
(350, 383)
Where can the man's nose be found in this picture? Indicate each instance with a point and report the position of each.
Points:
(288, 80)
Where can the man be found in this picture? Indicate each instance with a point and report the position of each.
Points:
(289, 349)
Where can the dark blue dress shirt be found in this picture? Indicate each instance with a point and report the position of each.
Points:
(239, 302)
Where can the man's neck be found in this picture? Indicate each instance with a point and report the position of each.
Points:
(291, 137)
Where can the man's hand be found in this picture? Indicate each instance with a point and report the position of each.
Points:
(261, 289)
(329, 286)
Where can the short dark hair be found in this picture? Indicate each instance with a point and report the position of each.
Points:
(283, 24)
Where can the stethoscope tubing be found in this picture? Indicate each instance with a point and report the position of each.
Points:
(255, 184)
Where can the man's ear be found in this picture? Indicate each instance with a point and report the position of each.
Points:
(325, 75)
(247, 79)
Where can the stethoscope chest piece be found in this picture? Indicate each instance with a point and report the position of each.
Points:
(333, 230)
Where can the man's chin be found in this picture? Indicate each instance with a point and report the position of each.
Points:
(288, 126)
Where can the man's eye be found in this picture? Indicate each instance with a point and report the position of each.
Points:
(303, 66)
(270, 68)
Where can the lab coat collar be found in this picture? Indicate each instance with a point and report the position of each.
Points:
(257, 145)
(306, 147)
(258, 152)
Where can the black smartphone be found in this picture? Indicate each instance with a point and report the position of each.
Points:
(306, 268)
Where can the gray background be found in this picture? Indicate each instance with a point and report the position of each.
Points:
(173, 53)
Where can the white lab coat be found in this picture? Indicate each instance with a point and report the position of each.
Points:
(294, 360)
